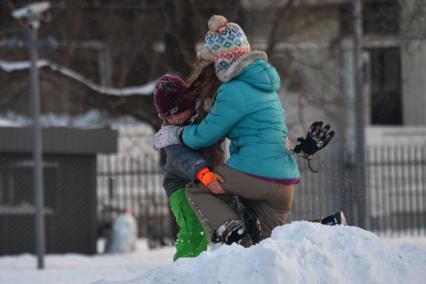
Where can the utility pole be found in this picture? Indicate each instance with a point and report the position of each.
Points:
(359, 112)
(32, 13)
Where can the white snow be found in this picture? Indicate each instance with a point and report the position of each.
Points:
(135, 136)
(7, 123)
(300, 252)
(81, 269)
(92, 119)
(10, 66)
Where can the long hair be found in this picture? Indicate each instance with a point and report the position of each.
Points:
(203, 84)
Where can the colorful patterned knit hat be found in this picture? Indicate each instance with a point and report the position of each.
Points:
(226, 41)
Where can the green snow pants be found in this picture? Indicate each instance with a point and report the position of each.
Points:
(191, 239)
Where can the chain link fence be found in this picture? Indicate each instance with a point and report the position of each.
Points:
(396, 195)
(134, 183)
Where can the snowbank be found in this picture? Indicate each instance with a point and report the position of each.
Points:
(300, 252)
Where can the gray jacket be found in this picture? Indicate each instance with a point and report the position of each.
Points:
(182, 165)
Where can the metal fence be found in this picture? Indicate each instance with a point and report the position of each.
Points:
(395, 195)
(318, 194)
(134, 183)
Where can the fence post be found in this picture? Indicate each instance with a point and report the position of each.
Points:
(359, 113)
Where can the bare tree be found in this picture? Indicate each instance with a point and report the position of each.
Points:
(128, 43)
(114, 43)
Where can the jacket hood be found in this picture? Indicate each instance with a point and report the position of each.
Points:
(254, 69)
(261, 75)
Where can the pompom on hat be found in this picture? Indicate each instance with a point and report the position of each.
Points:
(226, 42)
(216, 22)
(171, 96)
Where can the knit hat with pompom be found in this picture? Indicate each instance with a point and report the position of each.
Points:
(226, 41)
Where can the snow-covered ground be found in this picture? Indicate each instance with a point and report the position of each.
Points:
(300, 252)
(79, 269)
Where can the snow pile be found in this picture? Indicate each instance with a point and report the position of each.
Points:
(301, 252)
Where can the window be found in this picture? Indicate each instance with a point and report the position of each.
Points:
(380, 18)
(385, 80)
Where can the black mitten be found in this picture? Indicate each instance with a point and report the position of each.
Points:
(317, 138)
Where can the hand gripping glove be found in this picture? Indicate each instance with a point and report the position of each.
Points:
(317, 138)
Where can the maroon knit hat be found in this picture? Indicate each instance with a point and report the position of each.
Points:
(171, 96)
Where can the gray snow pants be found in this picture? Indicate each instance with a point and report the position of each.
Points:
(271, 201)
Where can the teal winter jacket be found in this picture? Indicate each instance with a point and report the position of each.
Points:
(249, 112)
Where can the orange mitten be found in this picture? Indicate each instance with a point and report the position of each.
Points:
(206, 176)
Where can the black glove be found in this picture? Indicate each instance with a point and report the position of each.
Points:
(317, 138)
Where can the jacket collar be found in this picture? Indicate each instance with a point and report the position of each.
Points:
(237, 67)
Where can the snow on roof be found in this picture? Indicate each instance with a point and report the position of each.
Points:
(142, 90)
(8, 123)
(134, 136)
(92, 119)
